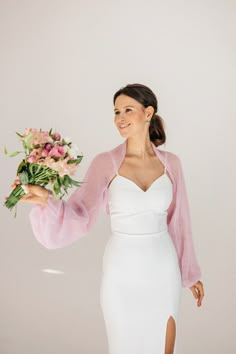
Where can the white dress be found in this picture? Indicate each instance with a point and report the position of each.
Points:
(141, 279)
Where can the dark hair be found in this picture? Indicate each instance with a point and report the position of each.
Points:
(146, 97)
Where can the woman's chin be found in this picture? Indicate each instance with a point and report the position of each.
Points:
(124, 134)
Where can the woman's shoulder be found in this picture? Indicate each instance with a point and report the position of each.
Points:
(103, 160)
(170, 156)
(112, 151)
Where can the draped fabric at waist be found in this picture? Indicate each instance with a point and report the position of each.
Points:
(153, 234)
(147, 222)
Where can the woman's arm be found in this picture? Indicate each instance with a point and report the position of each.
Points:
(179, 221)
(61, 222)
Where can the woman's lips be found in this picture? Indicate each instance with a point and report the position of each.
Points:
(123, 127)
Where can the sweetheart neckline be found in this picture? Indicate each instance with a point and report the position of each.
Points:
(144, 191)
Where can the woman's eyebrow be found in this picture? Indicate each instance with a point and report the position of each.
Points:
(124, 107)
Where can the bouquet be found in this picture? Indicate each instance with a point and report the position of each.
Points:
(49, 160)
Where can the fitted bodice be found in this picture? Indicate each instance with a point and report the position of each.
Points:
(135, 211)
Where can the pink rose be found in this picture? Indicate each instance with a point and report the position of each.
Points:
(57, 151)
(48, 147)
(31, 159)
(45, 153)
(39, 138)
(56, 136)
(61, 166)
(35, 155)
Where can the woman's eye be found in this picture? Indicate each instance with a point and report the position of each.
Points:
(128, 109)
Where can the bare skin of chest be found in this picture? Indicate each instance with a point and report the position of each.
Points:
(142, 172)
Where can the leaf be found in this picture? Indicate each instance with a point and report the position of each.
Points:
(75, 183)
(11, 154)
(14, 153)
(56, 187)
(28, 141)
(21, 136)
(66, 181)
(59, 181)
(21, 166)
(24, 177)
(70, 162)
(78, 160)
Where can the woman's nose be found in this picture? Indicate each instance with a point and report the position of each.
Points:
(122, 117)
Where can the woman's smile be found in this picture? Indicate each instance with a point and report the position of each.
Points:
(124, 126)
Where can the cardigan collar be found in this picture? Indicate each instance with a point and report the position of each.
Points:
(120, 152)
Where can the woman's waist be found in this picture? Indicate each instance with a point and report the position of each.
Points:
(139, 226)
(137, 234)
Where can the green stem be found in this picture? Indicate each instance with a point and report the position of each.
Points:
(14, 197)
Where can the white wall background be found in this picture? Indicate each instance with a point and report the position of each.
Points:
(60, 64)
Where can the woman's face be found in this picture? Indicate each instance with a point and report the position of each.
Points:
(130, 116)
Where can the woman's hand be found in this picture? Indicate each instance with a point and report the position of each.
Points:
(34, 194)
(198, 292)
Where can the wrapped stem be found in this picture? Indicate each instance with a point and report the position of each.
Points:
(15, 196)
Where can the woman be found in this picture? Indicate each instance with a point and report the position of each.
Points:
(150, 253)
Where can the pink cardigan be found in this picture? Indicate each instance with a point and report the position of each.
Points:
(62, 222)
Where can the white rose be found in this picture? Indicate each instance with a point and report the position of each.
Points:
(67, 140)
(73, 151)
(66, 148)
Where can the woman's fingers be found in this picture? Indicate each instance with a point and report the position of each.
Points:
(15, 183)
(33, 199)
(30, 187)
(195, 293)
(198, 292)
(37, 190)
(35, 194)
(201, 294)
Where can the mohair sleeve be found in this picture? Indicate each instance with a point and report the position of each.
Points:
(180, 228)
(61, 222)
